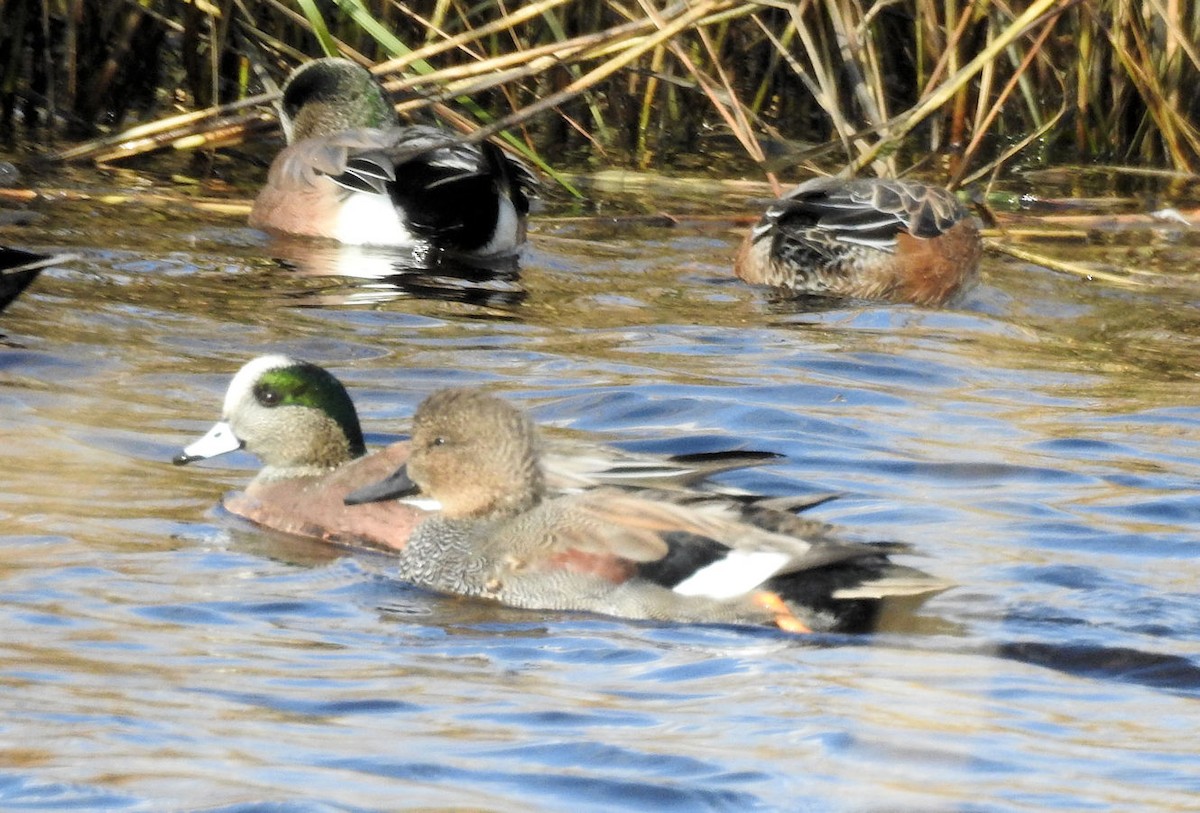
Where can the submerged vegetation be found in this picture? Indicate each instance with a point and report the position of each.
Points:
(953, 87)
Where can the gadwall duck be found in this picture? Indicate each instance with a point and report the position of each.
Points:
(642, 554)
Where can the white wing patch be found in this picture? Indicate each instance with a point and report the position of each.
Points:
(372, 220)
(735, 575)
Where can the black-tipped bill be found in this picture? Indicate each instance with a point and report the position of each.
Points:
(219, 440)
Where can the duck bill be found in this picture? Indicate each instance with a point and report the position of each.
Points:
(217, 441)
(395, 486)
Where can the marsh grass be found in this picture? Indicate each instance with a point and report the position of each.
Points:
(952, 89)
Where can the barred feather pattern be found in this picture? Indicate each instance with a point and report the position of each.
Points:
(868, 239)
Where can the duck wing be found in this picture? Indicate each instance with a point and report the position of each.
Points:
(817, 216)
(367, 159)
(572, 466)
(696, 548)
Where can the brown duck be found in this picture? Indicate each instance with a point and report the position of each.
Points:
(632, 553)
(899, 241)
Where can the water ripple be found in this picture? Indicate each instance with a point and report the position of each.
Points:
(1036, 445)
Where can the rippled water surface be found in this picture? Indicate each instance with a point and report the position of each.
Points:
(1038, 443)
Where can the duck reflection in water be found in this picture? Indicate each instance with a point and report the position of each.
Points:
(371, 274)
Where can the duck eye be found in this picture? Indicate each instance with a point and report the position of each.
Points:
(439, 441)
(267, 395)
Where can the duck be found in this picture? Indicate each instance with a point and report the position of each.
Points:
(880, 239)
(301, 423)
(351, 173)
(501, 534)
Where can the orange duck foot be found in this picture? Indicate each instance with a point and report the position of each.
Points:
(785, 619)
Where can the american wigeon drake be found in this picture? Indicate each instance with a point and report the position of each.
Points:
(352, 174)
(643, 554)
(892, 240)
(300, 421)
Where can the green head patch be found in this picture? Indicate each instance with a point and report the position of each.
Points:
(307, 385)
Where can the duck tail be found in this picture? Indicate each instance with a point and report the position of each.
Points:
(512, 177)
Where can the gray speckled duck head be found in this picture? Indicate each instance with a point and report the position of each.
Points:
(327, 96)
(294, 416)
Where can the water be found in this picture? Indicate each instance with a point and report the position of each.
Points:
(1037, 443)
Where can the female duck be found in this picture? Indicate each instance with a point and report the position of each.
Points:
(899, 241)
(635, 554)
(352, 174)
